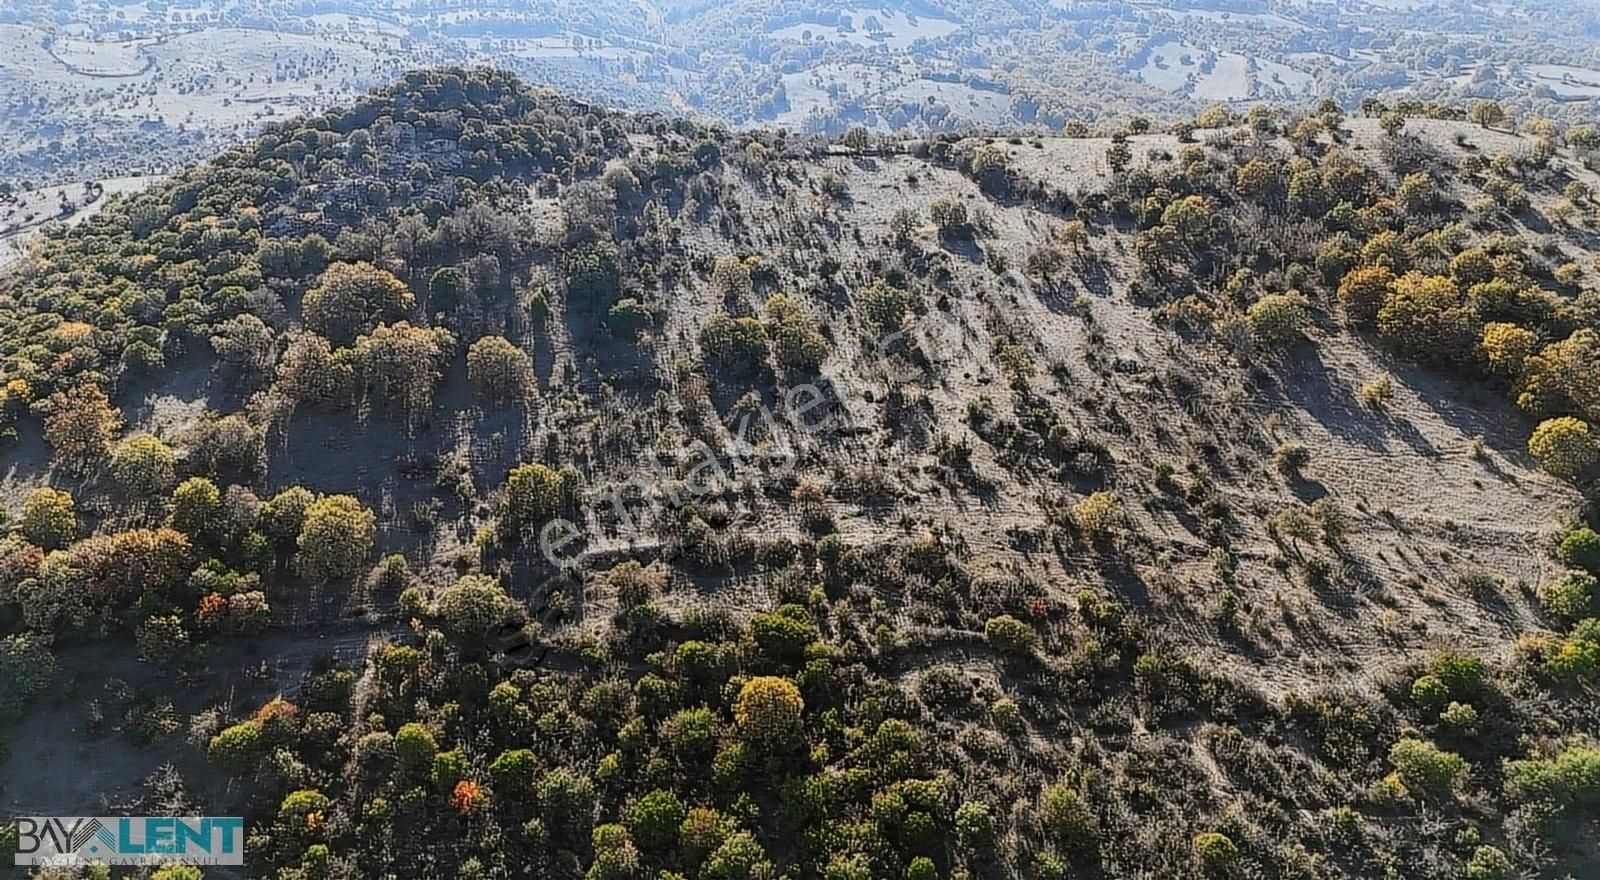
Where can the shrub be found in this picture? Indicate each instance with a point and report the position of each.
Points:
(784, 634)
(415, 748)
(335, 538)
(1276, 319)
(1423, 768)
(1564, 446)
(161, 638)
(1216, 852)
(237, 747)
(284, 514)
(1427, 318)
(922, 868)
(734, 343)
(1570, 598)
(1377, 393)
(26, 666)
(768, 711)
(196, 507)
(532, 495)
(739, 857)
(1097, 514)
(1010, 635)
(796, 341)
(950, 216)
(143, 466)
(499, 369)
(515, 772)
(1066, 817)
(1568, 780)
(1362, 292)
(1507, 347)
(79, 424)
(1488, 863)
(1580, 548)
(655, 819)
(883, 305)
(1290, 458)
(474, 607)
(975, 826)
(49, 518)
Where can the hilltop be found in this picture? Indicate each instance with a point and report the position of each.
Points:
(607, 492)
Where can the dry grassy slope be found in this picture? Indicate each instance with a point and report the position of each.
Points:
(1423, 512)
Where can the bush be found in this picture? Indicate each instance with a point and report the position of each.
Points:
(1362, 292)
(161, 638)
(499, 369)
(1580, 548)
(515, 773)
(26, 666)
(1569, 780)
(533, 495)
(79, 424)
(1066, 818)
(1276, 319)
(1425, 769)
(1507, 347)
(768, 711)
(236, 748)
(1489, 863)
(415, 748)
(284, 514)
(143, 466)
(883, 305)
(1216, 852)
(1570, 598)
(655, 819)
(784, 634)
(49, 518)
(739, 857)
(1427, 318)
(1010, 635)
(1097, 514)
(796, 341)
(335, 538)
(474, 607)
(975, 826)
(1565, 447)
(196, 507)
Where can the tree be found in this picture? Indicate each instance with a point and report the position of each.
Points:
(1564, 446)
(79, 424)
(1416, 192)
(768, 711)
(243, 343)
(1191, 217)
(143, 466)
(196, 507)
(1392, 124)
(736, 343)
(1011, 636)
(352, 298)
(26, 666)
(310, 372)
(532, 495)
(1507, 347)
(335, 538)
(1276, 319)
(499, 369)
(49, 518)
(795, 338)
(655, 819)
(404, 363)
(730, 275)
(1426, 317)
(283, 515)
(1564, 375)
(1118, 156)
(1487, 114)
(474, 607)
(739, 857)
(1363, 291)
(415, 748)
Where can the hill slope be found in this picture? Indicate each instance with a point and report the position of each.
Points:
(1118, 507)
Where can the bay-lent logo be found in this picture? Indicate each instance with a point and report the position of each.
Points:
(64, 841)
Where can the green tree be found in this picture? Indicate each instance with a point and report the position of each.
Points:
(196, 507)
(768, 711)
(533, 494)
(352, 298)
(143, 466)
(335, 538)
(655, 819)
(49, 518)
(499, 369)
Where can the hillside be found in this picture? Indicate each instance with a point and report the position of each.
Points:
(471, 481)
